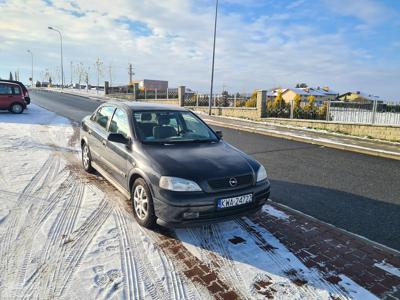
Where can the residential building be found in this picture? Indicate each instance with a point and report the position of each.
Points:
(289, 94)
(359, 97)
(150, 84)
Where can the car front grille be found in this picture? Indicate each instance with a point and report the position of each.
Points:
(224, 183)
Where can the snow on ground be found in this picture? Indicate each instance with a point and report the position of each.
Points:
(65, 234)
(388, 268)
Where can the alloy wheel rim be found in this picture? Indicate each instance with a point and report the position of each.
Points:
(17, 108)
(85, 155)
(140, 201)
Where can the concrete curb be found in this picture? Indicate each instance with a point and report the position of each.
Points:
(351, 148)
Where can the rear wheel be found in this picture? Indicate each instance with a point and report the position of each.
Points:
(87, 159)
(16, 108)
(143, 204)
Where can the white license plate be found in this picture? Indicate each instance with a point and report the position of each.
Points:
(235, 201)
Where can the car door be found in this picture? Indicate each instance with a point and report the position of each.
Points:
(6, 95)
(117, 154)
(98, 134)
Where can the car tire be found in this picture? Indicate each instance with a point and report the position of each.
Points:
(86, 159)
(17, 108)
(142, 203)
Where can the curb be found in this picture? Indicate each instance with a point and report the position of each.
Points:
(351, 148)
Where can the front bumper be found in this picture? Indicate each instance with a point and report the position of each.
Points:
(170, 213)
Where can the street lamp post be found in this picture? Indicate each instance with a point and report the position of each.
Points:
(29, 51)
(213, 59)
(62, 64)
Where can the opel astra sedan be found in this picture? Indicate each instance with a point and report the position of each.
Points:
(175, 169)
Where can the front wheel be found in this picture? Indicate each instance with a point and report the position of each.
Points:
(143, 204)
(86, 159)
(16, 108)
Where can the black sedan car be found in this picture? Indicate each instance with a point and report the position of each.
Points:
(176, 170)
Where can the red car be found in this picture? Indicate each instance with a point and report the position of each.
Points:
(12, 97)
(24, 89)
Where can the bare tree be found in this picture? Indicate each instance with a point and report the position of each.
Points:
(100, 71)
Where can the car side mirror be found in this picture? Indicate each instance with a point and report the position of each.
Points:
(219, 134)
(118, 138)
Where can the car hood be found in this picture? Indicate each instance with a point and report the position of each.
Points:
(199, 161)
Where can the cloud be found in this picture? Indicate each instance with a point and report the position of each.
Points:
(367, 11)
(173, 40)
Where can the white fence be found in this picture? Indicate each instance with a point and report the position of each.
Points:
(365, 113)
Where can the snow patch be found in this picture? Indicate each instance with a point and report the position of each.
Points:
(388, 268)
(272, 211)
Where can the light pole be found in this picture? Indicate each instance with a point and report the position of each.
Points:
(213, 59)
(29, 51)
(62, 65)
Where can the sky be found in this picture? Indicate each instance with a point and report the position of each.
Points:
(348, 45)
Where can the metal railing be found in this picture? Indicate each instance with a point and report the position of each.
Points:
(128, 92)
(217, 100)
(384, 113)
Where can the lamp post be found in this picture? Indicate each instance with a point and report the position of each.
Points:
(213, 59)
(29, 51)
(62, 65)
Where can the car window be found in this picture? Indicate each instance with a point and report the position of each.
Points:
(5, 89)
(120, 123)
(171, 126)
(193, 125)
(103, 115)
(17, 90)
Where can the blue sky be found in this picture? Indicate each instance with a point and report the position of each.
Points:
(345, 44)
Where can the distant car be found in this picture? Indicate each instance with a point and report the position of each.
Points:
(24, 90)
(175, 169)
(12, 97)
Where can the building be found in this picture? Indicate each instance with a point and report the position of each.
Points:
(150, 84)
(289, 94)
(359, 97)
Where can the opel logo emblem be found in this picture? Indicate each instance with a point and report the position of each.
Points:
(233, 182)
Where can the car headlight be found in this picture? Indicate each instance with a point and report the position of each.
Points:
(261, 174)
(178, 184)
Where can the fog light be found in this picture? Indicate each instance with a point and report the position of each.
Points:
(191, 215)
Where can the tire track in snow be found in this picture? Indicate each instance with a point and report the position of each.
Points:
(175, 285)
(19, 223)
(210, 239)
(81, 239)
(133, 288)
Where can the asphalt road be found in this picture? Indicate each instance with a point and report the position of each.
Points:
(356, 192)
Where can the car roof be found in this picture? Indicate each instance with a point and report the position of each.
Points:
(140, 106)
(9, 82)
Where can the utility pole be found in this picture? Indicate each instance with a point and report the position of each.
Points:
(71, 74)
(29, 51)
(130, 74)
(62, 64)
(110, 74)
(213, 59)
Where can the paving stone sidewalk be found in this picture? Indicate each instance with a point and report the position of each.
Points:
(335, 252)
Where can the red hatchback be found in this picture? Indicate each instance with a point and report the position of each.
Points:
(11, 97)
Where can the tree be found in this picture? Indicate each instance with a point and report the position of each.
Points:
(100, 71)
(11, 77)
(310, 104)
(301, 85)
(279, 102)
(296, 101)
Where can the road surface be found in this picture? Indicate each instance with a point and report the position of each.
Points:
(356, 192)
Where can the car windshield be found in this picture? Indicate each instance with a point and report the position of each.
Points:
(171, 127)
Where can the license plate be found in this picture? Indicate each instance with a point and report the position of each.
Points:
(235, 201)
